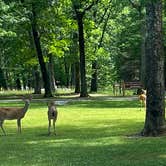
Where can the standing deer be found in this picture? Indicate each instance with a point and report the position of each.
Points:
(12, 113)
(52, 114)
(142, 97)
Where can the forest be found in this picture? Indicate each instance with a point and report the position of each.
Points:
(84, 45)
(91, 51)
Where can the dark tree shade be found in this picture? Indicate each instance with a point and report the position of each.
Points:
(155, 109)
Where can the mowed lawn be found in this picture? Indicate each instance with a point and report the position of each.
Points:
(89, 133)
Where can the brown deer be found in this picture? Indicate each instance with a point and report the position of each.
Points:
(142, 97)
(12, 113)
(52, 114)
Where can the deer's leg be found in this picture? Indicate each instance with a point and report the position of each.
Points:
(1, 124)
(49, 126)
(54, 125)
(19, 125)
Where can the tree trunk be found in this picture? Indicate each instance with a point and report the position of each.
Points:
(3, 83)
(94, 77)
(76, 63)
(94, 63)
(72, 77)
(44, 72)
(18, 83)
(37, 81)
(155, 108)
(67, 73)
(83, 92)
(165, 64)
(77, 77)
(51, 73)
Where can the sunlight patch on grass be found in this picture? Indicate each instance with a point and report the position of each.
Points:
(89, 133)
(162, 156)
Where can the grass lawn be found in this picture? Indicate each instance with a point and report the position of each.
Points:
(89, 133)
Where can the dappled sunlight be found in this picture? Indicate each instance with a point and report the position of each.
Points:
(162, 156)
(50, 141)
(85, 136)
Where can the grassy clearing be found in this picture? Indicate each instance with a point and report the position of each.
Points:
(89, 133)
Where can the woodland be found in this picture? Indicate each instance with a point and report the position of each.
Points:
(51, 43)
(79, 55)
(85, 45)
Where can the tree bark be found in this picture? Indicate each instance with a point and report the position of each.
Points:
(45, 76)
(18, 83)
(83, 92)
(3, 83)
(77, 77)
(76, 66)
(155, 108)
(51, 73)
(67, 73)
(37, 81)
(94, 77)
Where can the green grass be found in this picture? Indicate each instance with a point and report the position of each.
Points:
(89, 133)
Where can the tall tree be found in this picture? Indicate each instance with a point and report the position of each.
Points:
(155, 109)
(80, 11)
(94, 78)
(46, 80)
(76, 63)
(140, 6)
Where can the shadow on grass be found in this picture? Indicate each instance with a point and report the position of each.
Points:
(102, 143)
(79, 146)
(96, 129)
(83, 104)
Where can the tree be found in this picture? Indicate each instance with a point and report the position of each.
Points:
(76, 65)
(155, 108)
(140, 6)
(80, 11)
(3, 83)
(36, 37)
(102, 19)
(125, 44)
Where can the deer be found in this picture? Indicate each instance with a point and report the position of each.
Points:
(142, 97)
(52, 115)
(14, 113)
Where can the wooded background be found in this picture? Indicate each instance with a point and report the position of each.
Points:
(87, 45)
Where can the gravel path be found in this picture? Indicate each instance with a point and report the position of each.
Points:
(66, 100)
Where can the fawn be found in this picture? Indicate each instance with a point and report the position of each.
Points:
(52, 114)
(12, 113)
(142, 97)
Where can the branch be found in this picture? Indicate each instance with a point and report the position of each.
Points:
(90, 6)
(104, 29)
(136, 6)
(75, 7)
(105, 12)
(133, 4)
(2, 18)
